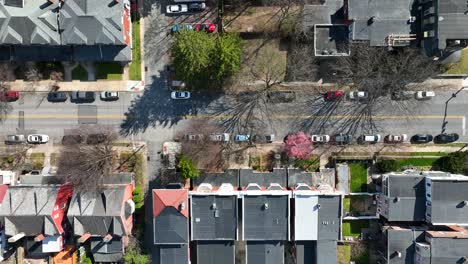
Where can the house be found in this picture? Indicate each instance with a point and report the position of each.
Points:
(65, 30)
(381, 22)
(36, 217)
(103, 220)
(171, 225)
(316, 224)
(437, 198)
(443, 24)
(400, 243)
(265, 222)
(213, 221)
(263, 179)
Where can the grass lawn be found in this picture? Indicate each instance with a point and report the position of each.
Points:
(79, 73)
(415, 154)
(133, 163)
(358, 177)
(37, 160)
(418, 162)
(344, 254)
(461, 67)
(135, 65)
(109, 71)
(353, 228)
(347, 204)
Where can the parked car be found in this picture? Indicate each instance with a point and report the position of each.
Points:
(197, 7)
(221, 137)
(421, 138)
(180, 95)
(178, 27)
(57, 97)
(363, 139)
(402, 95)
(38, 139)
(72, 139)
(207, 27)
(395, 138)
(333, 96)
(320, 138)
(14, 139)
(84, 97)
(176, 9)
(424, 95)
(342, 138)
(9, 96)
(109, 96)
(263, 138)
(242, 138)
(193, 137)
(446, 138)
(358, 95)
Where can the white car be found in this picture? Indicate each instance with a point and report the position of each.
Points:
(222, 137)
(358, 95)
(320, 138)
(396, 138)
(176, 9)
(38, 139)
(369, 139)
(180, 95)
(109, 96)
(424, 94)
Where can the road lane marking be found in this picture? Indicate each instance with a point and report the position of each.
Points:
(231, 116)
(464, 126)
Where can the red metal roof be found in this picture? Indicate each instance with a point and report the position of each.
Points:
(3, 191)
(163, 198)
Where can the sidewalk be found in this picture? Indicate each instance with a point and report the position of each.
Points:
(45, 86)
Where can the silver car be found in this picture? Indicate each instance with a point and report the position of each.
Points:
(38, 139)
(14, 139)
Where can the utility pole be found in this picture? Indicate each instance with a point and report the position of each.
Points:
(445, 122)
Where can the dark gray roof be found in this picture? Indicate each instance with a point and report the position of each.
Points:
(328, 13)
(265, 252)
(111, 251)
(402, 241)
(214, 252)
(306, 252)
(452, 21)
(263, 179)
(296, 176)
(34, 249)
(170, 227)
(326, 251)
(447, 202)
(216, 179)
(265, 217)
(329, 216)
(448, 249)
(214, 217)
(171, 254)
(98, 212)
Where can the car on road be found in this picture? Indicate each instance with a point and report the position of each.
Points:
(109, 96)
(176, 9)
(263, 138)
(14, 139)
(320, 138)
(395, 138)
(38, 139)
(178, 27)
(421, 138)
(219, 137)
(57, 97)
(72, 139)
(9, 96)
(342, 139)
(424, 95)
(194, 7)
(207, 27)
(82, 97)
(193, 137)
(242, 138)
(372, 139)
(446, 138)
(358, 95)
(332, 96)
(180, 95)
(402, 95)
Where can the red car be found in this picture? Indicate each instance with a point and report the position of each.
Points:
(333, 96)
(9, 96)
(208, 27)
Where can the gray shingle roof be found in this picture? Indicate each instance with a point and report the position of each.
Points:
(216, 179)
(329, 217)
(111, 251)
(170, 227)
(265, 217)
(326, 251)
(402, 241)
(214, 217)
(447, 203)
(448, 249)
(306, 252)
(265, 252)
(452, 21)
(214, 252)
(171, 254)
(263, 179)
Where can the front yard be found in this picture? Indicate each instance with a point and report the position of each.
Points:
(358, 177)
(461, 67)
(353, 228)
(135, 65)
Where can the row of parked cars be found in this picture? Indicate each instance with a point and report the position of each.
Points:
(185, 8)
(79, 96)
(226, 137)
(363, 95)
(390, 139)
(31, 139)
(206, 27)
(90, 139)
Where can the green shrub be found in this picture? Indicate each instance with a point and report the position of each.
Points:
(455, 162)
(10, 159)
(312, 164)
(384, 166)
(187, 168)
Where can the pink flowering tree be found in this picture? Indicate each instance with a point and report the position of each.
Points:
(299, 145)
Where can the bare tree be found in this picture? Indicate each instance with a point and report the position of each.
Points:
(269, 67)
(6, 74)
(85, 166)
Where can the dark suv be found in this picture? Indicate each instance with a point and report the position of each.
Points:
(342, 139)
(446, 138)
(83, 97)
(421, 138)
(56, 97)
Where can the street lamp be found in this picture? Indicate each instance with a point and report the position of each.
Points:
(445, 122)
